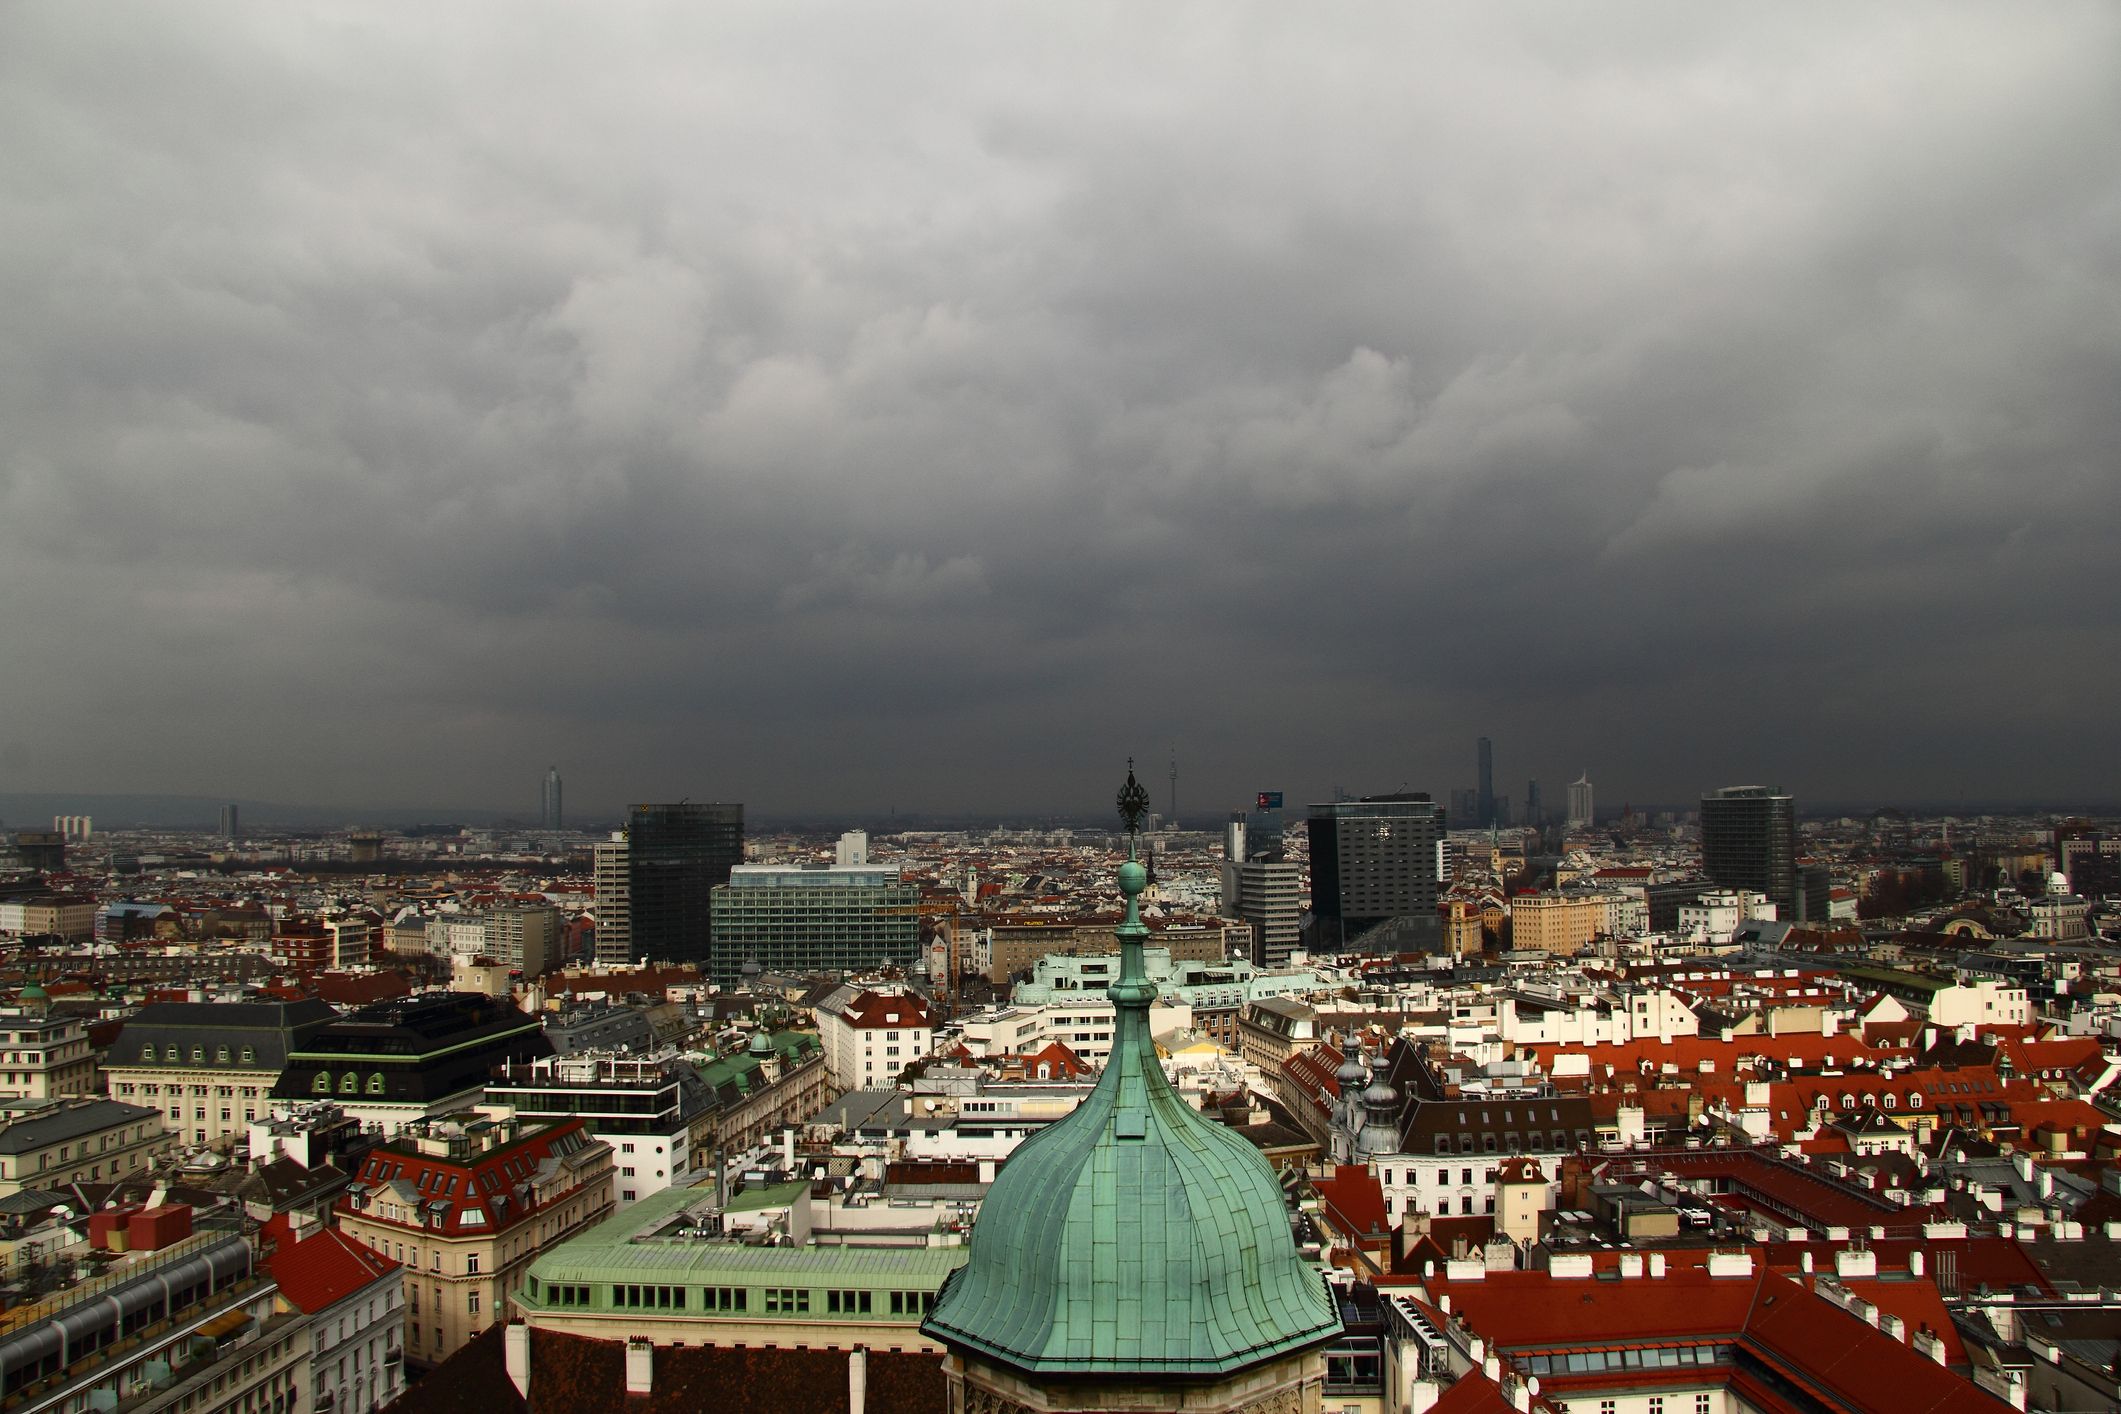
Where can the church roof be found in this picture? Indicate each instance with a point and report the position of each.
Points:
(1136, 1236)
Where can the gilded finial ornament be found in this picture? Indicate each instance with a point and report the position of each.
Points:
(1133, 801)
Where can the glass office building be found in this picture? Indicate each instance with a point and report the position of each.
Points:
(800, 920)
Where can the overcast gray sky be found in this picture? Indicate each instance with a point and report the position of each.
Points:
(837, 407)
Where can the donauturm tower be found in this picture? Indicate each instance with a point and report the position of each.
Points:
(1136, 1255)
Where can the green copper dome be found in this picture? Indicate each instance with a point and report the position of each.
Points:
(1135, 1236)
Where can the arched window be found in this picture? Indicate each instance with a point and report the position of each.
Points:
(349, 1084)
(322, 1084)
(375, 1083)
(1892, 1101)
(1914, 1101)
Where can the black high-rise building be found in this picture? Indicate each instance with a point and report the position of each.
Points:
(675, 856)
(1749, 841)
(1486, 805)
(1376, 870)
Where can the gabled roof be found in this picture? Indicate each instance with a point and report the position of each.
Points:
(326, 1268)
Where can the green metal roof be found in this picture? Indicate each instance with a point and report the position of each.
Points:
(1135, 1236)
(619, 1251)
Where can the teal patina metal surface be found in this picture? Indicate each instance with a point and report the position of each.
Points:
(1136, 1236)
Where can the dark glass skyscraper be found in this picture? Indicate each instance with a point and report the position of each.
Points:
(549, 811)
(1376, 868)
(675, 856)
(1749, 841)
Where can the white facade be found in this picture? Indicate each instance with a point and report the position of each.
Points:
(852, 850)
(354, 1356)
(1978, 1003)
(1716, 915)
(1581, 815)
(1083, 1023)
(869, 1037)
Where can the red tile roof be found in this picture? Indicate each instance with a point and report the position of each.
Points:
(324, 1269)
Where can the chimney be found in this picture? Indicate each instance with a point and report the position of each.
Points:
(857, 1380)
(640, 1367)
(516, 1357)
(1915, 1262)
(1492, 1368)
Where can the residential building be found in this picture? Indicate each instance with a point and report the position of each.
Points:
(354, 1298)
(524, 937)
(643, 1107)
(1274, 1028)
(677, 855)
(192, 1325)
(1583, 812)
(614, 902)
(48, 916)
(414, 1058)
(1557, 924)
(779, 1079)
(870, 1036)
(42, 1056)
(210, 1067)
(1749, 841)
(1377, 869)
(465, 1204)
(802, 920)
(1015, 948)
(1270, 900)
(50, 1144)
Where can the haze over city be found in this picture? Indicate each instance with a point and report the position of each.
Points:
(847, 408)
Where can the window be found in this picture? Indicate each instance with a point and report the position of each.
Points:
(322, 1084)
(375, 1083)
(471, 1264)
(471, 1302)
(1656, 1404)
(1702, 1404)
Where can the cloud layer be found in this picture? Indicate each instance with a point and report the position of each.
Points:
(853, 406)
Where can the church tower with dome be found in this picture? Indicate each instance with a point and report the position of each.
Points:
(1136, 1255)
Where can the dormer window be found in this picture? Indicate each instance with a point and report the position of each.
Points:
(322, 1084)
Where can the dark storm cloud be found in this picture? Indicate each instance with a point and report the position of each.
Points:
(848, 406)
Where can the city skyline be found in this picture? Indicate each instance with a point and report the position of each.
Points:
(684, 397)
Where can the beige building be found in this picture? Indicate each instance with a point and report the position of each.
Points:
(49, 915)
(1272, 1029)
(43, 1057)
(81, 1140)
(1560, 925)
(1017, 947)
(209, 1067)
(465, 1203)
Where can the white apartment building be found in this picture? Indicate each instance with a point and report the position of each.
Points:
(43, 1057)
(1083, 1023)
(1716, 915)
(870, 1036)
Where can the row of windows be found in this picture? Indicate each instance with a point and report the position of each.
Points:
(174, 1055)
(777, 1300)
(662, 1298)
(1580, 1362)
(349, 1083)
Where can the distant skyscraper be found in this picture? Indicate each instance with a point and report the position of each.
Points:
(1749, 841)
(549, 817)
(1582, 815)
(231, 822)
(614, 895)
(852, 849)
(676, 855)
(1486, 801)
(1376, 869)
(1535, 814)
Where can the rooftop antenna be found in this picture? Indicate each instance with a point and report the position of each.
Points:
(1172, 804)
